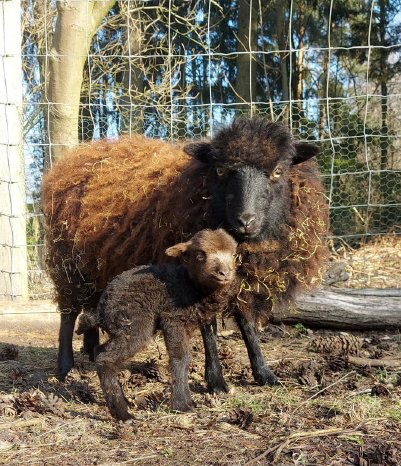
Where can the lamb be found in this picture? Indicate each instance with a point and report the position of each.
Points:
(111, 205)
(167, 297)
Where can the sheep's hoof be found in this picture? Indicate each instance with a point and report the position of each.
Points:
(62, 373)
(217, 386)
(266, 377)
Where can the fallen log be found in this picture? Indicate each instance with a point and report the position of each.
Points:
(367, 362)
(351, 309)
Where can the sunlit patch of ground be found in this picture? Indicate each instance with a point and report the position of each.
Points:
(324, 411)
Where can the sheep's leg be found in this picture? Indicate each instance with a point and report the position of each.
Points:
(109, 359)
(91, 340)
(213, 370)
(65, 358)
(177, 344)
(261, 372)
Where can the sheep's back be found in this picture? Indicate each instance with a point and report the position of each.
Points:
(111, 205)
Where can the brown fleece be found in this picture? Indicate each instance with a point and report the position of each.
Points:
(167, 297)
(111, 205)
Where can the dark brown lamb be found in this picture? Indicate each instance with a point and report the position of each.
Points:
(112, 205)
(171, 298)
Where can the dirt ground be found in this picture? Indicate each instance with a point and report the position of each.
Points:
(325, 410)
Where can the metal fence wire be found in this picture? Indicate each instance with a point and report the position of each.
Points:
(178, 69)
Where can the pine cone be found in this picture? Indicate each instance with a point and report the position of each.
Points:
(151, 401)
(226, 356)
(309, 373)
(124, 430)
(241, 418)
(131, 381)
(380, 390)
(19, 375)
(150, 369)
(8, 352)
(7, 405)
(81, 392)
(29, 401)
(154, 400)
(53, 404)
(342, 344)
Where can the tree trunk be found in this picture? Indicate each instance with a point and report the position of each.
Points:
(245, 83)
(323, 93)
(77, 21)
(300, 58)
(346, 309)
(282, 45)
(133, 87)
(13, 253)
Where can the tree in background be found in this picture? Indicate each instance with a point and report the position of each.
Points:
(169, 69)
(77, 21)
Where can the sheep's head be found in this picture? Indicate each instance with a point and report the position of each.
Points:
(209, 257)
(249, 163)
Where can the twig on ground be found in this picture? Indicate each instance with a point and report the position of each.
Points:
(300, 435)
(321, 391)
(21, 423)
(386, 362)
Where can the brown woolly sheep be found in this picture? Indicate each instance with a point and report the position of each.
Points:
(170, 298)
(111, 205)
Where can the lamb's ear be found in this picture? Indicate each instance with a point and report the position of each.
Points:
(199, 150)
(305, 151)
(178, 249)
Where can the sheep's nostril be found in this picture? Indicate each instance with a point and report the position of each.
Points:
(222, 273)
(246, 219)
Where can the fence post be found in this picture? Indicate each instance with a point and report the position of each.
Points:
(13, 251)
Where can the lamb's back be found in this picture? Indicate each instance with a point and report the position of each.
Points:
(159, 291)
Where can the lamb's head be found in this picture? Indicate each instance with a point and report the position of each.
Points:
(248, 178)
(209, 257)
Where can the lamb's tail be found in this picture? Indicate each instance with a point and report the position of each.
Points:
(87, 320)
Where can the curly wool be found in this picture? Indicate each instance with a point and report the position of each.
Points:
(132, 198)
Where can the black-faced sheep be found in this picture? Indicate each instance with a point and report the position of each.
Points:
(111, 205)
(170, 298)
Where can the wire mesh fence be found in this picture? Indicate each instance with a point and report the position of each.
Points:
(179, 69)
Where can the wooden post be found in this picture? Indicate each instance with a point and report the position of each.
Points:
(13, 253)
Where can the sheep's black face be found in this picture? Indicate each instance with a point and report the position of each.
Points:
(248, 178)
(250, 202)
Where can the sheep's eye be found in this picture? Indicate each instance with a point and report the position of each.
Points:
(277, 173)
(220, 171)
(200, 257)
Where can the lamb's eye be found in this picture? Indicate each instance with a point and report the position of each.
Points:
(277, 173)
(200, 257)
(220, 171)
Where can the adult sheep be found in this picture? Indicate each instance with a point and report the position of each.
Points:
(111, 205)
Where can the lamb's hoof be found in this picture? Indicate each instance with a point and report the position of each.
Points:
(183, 406)
(266, 377)
(123, 416)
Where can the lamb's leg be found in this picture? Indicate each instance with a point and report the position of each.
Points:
(261, 372)
(213, 370)
(177, 344)
(65, 359)
(91, 340)
(109, 359)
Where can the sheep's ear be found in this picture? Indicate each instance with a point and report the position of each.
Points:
(199, 150)
(178, 249)
(304, 151)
